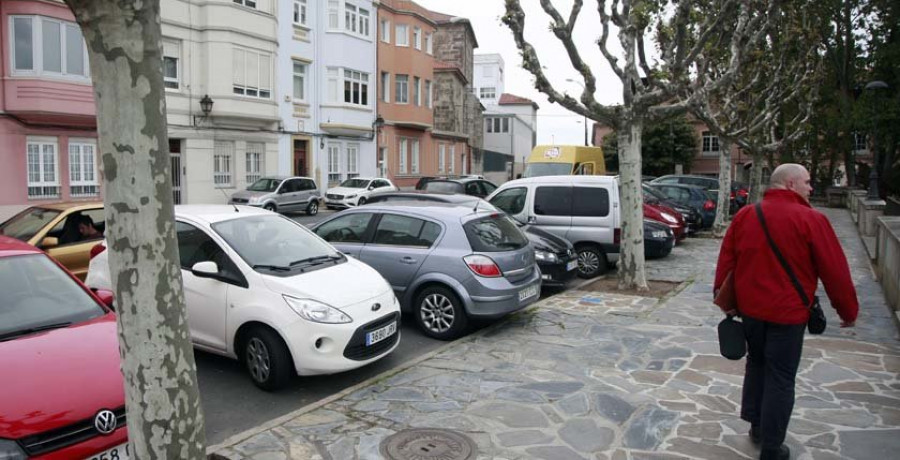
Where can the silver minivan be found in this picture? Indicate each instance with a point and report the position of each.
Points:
(281, 194)
(581, 209)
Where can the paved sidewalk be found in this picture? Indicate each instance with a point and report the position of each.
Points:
(589, 375)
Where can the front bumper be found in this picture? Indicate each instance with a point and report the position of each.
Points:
(495, 297)
(340, 203)
(556, 274)
(656, 248)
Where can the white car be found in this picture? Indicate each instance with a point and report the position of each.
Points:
(355, 192)
(263, 289)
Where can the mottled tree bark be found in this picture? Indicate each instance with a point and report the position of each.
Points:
(631, 256)
(724, 198)
(123, 37)
(756, 178)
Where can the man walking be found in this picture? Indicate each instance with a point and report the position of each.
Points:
(773, 313)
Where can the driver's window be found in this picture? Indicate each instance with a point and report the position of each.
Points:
(511, 201)
(345, 229)
(587, 169)
(194, 245)
(289, 186)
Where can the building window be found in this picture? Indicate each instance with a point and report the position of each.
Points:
(401, 89)
(223, 161)
(356, 87)
(299, 81)
(417, 91)
(43, 175)
(505, 125)
(859, 141)
(247, 3)
(488, 92)
(442, 157)
(43, 45)
(252, 71)
(364, 22)
(333, 13)
(402, 149)
(452, 159)
(334, 163)
(356, 20)
(428, 44)
(710, 143)
(83, 169)
(255, 161)
(171, 60)
(401, 35)
(385, 31)
(350, 17)
(489, 124)
(414, 160)
(382, 161)
(417, 38)
(352, 160)
(428, 93)
(386, 87)
(300, 12)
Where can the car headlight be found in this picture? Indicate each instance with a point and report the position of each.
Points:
(253, 200)
(544, 256)
(316, 312)
(350, 196)
(9, 450)
(658, 234)
(669, 217)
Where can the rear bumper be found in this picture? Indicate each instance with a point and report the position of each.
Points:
(491, 302)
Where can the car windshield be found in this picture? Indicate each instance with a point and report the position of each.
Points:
(494, 233)
(547, 169)
(654, 193)
(38, 295)
(443, 187)
(355, 183)
(27, 223)
(264, 185)
(273, 241)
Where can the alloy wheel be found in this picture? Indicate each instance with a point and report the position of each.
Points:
(258, 362)
(313, 208)
(437, 313)
(588, 262)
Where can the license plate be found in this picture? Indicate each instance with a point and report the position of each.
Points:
(120, 452)
(381, 333)
(572, 265)
(530, 291)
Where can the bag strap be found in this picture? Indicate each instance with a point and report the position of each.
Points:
(784, 263)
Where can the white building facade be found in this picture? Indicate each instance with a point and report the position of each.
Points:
(488, 84)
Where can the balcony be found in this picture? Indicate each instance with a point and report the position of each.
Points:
(50, 101)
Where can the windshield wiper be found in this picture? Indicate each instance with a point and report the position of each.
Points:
(31, 330)
(316, 260)
(277, 268)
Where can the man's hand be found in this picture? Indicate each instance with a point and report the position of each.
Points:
(848, 323)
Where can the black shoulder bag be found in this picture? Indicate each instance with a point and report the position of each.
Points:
(816, 323)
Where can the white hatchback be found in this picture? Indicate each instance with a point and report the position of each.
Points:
(263, 289)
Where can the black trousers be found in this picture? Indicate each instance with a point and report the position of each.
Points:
(773, 355)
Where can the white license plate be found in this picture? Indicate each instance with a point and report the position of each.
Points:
(530, 291)
(381, 333)
(572, 265)
(120, 452)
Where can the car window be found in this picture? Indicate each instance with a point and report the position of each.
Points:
(444, 187)
(553, 201)
(667, 180)
(67, 232)
(290, 186)
(264, 185)
(194, 245)
(510, 201)
(406, 231)
(382, 183)
(590, 202)
(494, 233)
(472, 188)
(27, 223)
(345, 229)
(309, 184)
(488, 187)
(355, 183)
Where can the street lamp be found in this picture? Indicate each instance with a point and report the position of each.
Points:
(585, 117)
(873, 87)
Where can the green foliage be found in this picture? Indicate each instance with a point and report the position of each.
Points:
(663, 145)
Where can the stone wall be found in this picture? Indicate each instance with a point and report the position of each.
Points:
(454, 43)
(887, 263)
(449, 97)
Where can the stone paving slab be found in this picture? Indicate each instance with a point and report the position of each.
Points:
(588, 375)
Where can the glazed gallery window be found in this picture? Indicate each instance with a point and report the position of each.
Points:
(300, 12)
(710, 142)
(355, 85)
(45, 46)
(334, 163)
(401, 89)
(299, 81)
(352, 160)
(252, 73)
(223, 163)
(83, 169)
(254, 161)
(43, 172)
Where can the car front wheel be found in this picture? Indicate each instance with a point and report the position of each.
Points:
(440, 314)
(270, 207)
(313, 208)
(267, 359)
(361, 201)
(591, 261)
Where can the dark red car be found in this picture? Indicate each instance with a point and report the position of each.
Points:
(62, 393)
(668, 216)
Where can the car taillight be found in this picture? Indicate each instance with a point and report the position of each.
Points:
(97, 249)
(617, 236)
(709, 205)
(482, 265)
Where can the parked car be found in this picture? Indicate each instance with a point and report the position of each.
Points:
(658, 239)
(263, 289)
(281, 194)
(62, 395)
(554, 255)
(464, 186)
(693, 220)
(738, 194)
(447, 263)
(420, 184)
(356, 191)
(66, 231)
(581, 209)
(693, 196)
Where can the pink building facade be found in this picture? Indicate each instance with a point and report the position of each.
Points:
(48, 137)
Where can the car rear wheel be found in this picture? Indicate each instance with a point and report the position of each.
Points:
(270, 207)
(591, 261)
(267, 359)
(440, 314)
(313, 208)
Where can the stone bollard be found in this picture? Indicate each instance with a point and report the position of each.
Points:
(853, 200)
(887, 267)
(869, 211)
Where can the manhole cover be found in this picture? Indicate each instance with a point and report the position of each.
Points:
(428, 444)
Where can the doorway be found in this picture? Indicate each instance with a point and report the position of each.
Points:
(177, 169)
(300, 165)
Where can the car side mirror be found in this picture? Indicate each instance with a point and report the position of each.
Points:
(49, 242)
(107, 297)
(206, 269)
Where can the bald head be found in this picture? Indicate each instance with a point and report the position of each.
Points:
(791, 176)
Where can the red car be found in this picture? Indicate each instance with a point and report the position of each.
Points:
(62, 394)
(668, 216)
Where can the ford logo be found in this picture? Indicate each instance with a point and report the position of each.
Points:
(105, 421)
(376, 307)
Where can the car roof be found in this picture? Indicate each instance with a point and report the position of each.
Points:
(212, 213)
(445, 197)
(13, 247)
(435, 209)
(73, 206)
(689, 186)
(286, 177)
(564, 179)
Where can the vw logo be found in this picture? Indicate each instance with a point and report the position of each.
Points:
(105, 421)
(376, 307)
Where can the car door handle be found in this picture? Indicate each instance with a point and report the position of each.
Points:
(407, 260)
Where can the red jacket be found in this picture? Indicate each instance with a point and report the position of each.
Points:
(806, 239)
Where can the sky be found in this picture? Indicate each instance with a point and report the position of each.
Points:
(555, 123)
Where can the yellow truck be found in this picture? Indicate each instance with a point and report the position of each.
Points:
(564, 160)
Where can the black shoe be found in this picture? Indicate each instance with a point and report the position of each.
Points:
(755, 436)
(781, 453)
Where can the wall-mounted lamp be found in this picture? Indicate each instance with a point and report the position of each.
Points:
(206, 105)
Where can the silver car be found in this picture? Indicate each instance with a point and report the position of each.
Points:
(281, 194)
(446, 263)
